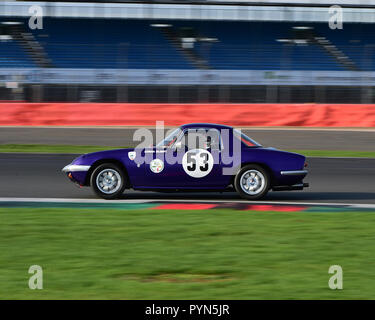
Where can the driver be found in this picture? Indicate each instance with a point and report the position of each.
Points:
(200, 140)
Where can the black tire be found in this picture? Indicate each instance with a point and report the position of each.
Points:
(264, 187)
(106, 169)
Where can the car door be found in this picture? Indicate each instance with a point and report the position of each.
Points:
(187, 165)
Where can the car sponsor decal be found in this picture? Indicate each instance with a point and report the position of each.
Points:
(197, 163)
(157, 165)
(131, 155)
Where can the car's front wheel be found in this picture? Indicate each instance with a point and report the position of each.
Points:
(108, 181)
(252, 182)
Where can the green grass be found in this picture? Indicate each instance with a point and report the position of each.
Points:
(336, 153)
(40, 148)
(213, 254)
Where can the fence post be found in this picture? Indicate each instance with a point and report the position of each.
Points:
(271, 94)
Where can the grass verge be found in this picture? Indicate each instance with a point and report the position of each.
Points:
(336, 153)
(40, 148)
(156, 254)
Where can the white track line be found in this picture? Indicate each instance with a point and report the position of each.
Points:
(93, 201)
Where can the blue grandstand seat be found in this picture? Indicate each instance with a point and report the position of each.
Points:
(109, 44)
(134, 44)
(13, 56)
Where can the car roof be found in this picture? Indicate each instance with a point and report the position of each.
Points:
(205, 125)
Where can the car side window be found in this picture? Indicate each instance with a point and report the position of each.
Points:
(213, 137)
(201, 139)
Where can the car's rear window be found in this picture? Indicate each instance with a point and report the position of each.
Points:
(245, 139)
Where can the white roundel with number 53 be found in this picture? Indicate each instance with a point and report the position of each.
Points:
(197, 163)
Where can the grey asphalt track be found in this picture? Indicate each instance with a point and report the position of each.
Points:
(291, 138)
(332, 180)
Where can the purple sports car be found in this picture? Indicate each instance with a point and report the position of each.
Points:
(195, 157)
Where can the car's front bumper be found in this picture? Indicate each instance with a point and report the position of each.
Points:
(75, 168)
(76, 173)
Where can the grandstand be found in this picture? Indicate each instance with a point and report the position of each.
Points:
(99, 43)
(150, 53)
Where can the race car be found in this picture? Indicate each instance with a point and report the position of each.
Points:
(193, 157)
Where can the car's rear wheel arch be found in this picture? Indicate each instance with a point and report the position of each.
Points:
(118, 163)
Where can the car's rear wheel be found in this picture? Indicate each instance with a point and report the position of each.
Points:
(108, 181)
(252, 182)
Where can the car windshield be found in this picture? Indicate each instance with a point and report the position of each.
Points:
(170, 139)
(245, 139)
